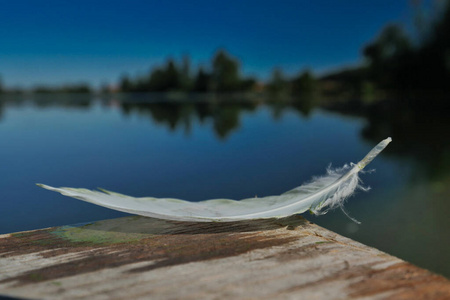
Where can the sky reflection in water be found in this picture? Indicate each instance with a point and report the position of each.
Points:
(199, 150)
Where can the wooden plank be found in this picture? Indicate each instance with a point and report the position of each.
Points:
(142, 258)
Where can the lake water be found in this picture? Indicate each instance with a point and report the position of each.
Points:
(197, 150)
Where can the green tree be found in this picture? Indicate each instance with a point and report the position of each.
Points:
(391, 43)
(1, 85)
(202, 82)
(125, 84)
(433, 58)
(305, 92)
(304, 84)
(225, 73)
(172, 75)
(388, 56)
(278, 84)
(186, 80)
(163, 79)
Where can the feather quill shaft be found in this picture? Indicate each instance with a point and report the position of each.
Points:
(319, 196)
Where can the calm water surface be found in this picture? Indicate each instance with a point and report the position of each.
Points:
(197, 151)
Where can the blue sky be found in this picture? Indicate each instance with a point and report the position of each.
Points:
(56, 42)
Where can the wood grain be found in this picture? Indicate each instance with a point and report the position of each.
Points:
(142, 258)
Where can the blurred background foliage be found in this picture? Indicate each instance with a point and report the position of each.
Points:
(397, 61)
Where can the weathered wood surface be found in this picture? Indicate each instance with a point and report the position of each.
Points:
(137, 257)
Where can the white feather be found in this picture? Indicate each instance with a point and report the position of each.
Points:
(319, 196)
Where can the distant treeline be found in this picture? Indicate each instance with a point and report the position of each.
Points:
(394, 61)
(76, 88)
(223, 76)
(46, 89)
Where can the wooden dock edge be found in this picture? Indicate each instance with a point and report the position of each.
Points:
(143, 258)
